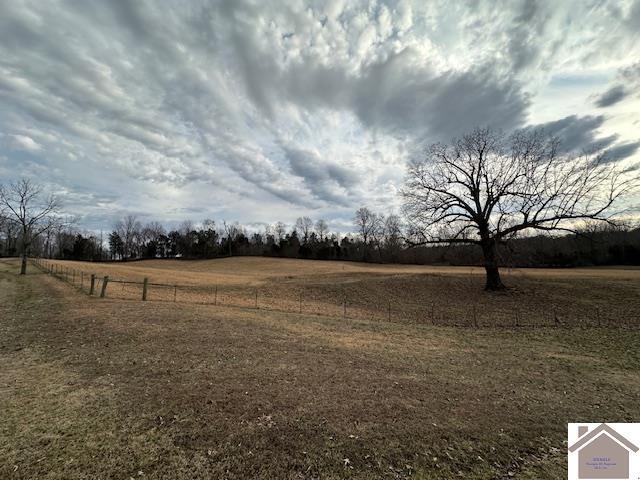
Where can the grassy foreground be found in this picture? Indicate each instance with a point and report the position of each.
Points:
(94, 388)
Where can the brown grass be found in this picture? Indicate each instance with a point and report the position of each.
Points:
(94, 388)
(417, 294)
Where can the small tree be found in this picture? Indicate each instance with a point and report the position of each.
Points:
(486, 188)
(24, 205)
(369, 226)
(322, 229)
(304, 226)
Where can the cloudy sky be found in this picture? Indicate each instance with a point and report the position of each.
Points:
(261, 111)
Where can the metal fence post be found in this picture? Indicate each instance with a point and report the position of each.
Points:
(93, 284)
(145, 284)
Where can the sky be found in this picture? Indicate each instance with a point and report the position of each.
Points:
(263, 111)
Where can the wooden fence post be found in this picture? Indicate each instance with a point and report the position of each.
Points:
(93, 284)
(145, 285)
(105, 281)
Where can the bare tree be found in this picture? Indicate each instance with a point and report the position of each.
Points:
(366, 223)
(322, 229)
(279, 231)
(486, 188)
(129, 230)
(304, 226)
(393, 235)
(232, 231)
(24, 205)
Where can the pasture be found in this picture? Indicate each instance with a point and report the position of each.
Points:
(120, 388)
(401, 293)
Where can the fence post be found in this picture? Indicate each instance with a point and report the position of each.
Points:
(93, 284)
(105, 281)
(145, 284)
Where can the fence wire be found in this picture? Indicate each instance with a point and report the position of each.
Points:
(336, 301)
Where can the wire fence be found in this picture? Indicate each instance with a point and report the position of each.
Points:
(337, 301)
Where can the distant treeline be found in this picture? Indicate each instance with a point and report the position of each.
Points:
(378, 239)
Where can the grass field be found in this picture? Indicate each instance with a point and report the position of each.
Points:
(405, 293)
(105, 388)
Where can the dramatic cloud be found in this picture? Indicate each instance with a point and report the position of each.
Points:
(264, 111)
(620, 152)
(611, 96)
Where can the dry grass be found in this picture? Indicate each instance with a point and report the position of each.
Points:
(96, 388)
(417, 294)
(260, 271)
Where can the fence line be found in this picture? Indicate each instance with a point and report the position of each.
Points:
(334, 305)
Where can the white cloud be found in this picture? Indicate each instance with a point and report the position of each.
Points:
(23, 142)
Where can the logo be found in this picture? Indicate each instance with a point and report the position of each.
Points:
(604, 451)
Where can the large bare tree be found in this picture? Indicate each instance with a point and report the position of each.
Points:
(486, 188)
(26, 206)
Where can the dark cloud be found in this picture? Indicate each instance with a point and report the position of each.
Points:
(328, 181)
(578, 133)
(620, 152)
(395, 95)
(611, 96)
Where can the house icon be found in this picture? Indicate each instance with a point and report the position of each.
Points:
(602, 453)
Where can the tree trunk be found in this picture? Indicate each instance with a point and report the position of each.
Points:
(23, 266)
(491, 266)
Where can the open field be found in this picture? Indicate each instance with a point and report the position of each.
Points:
(104, 388)
(404, 293)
